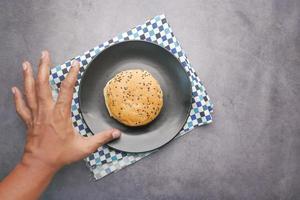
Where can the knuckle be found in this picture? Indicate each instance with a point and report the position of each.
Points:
(29, 122)
(42, 98)
(27, 95)
(106, 136)
(40, 81)
(104, 140)
(18, 109)
(73, 74)
(66, 84)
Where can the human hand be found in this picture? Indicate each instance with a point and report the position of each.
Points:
(51, 138)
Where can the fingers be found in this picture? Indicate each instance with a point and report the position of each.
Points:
(64, 99)
(29, 86)
(94, 142)
(43, 90)
(21, 106)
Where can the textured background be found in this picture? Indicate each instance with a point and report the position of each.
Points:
(246, 52)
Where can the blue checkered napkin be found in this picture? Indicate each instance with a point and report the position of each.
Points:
(106, 160)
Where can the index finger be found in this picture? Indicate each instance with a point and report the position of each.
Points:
(64, 99)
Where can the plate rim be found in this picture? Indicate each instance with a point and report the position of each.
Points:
(151, 43)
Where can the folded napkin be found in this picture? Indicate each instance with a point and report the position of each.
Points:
(157, 30)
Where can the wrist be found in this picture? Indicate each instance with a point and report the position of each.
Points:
(38, 165)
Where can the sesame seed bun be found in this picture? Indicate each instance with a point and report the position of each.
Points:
(133, 97)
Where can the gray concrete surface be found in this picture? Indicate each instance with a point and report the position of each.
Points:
(246, 52)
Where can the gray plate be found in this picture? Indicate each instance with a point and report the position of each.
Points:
(164, 67)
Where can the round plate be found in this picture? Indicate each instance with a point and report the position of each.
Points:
(165, 68)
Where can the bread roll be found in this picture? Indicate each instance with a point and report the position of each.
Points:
(133, 97)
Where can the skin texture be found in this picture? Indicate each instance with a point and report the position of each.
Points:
(51, 140)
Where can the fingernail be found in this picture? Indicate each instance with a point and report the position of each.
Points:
(116, 133)
(13, 90)
(75, 63)
(43, 54)
(24, 66)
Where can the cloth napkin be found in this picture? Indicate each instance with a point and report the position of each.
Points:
(157, 30)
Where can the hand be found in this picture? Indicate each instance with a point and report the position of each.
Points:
(51, 138)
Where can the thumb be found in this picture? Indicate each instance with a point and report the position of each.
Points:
(99, 139)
